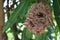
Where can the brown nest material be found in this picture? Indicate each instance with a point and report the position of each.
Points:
(38, 18)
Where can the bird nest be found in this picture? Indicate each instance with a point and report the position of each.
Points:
(38, 18)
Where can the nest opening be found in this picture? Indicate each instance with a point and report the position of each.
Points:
(40, 15)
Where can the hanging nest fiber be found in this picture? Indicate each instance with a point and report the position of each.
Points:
(38, 18)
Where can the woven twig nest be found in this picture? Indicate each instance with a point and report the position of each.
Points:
(38, 18)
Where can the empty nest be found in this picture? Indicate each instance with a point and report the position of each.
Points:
(38, 18)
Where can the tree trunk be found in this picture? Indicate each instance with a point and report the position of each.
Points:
(2, 35)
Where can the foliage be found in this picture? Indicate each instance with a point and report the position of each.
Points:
(18, 15)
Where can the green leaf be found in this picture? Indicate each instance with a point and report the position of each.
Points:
(13, 17)
(27, 35)
(22, 17)
(56, 6)
(38, 37)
